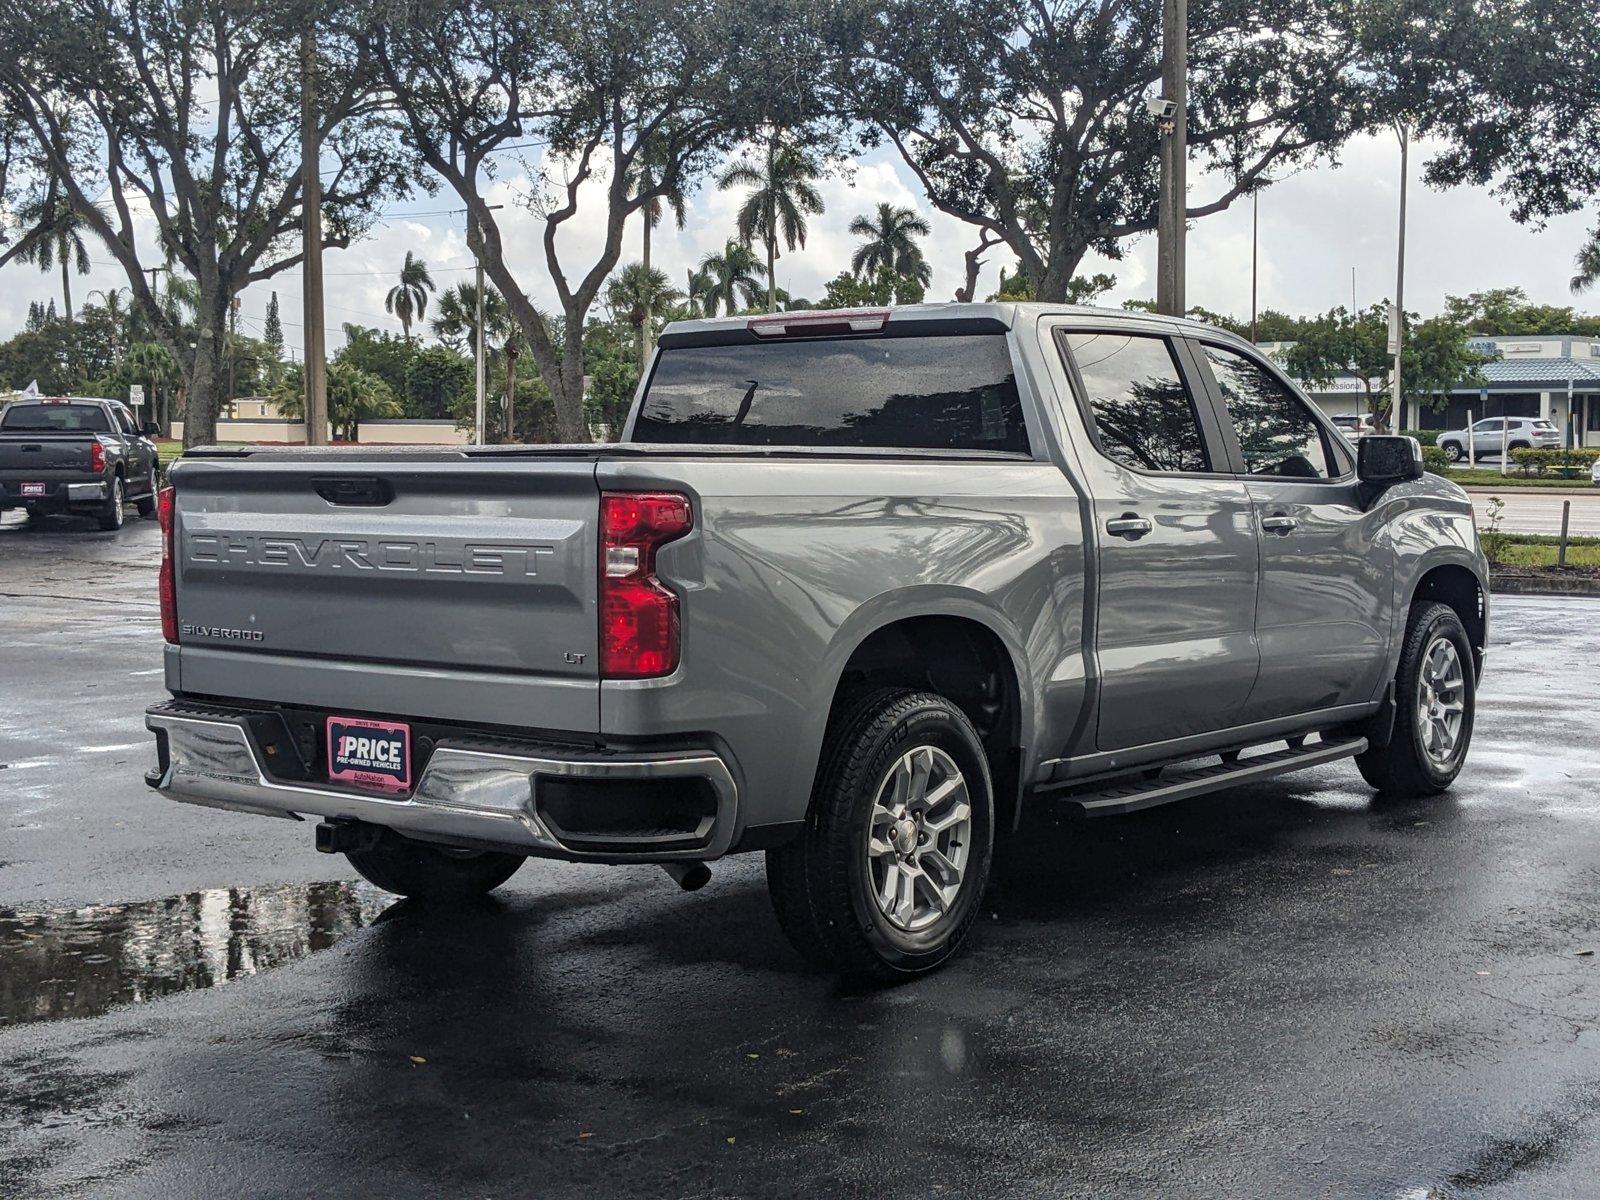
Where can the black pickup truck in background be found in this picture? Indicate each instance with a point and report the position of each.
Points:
(76, 455)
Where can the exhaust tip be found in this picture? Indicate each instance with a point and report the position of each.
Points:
(690, 876)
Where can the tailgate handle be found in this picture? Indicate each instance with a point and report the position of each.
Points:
(369, 493)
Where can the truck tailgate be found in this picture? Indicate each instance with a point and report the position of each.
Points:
(36, 454)
(446, 569)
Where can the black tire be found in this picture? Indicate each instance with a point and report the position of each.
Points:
(1455, 451)
(146, 507)
(110, 513)
(822, 883)
(407, 868)
(1518, 446)
(1404, 768)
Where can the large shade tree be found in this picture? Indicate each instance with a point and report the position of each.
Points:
(186, 116)
(591, 93)
(1028, 120)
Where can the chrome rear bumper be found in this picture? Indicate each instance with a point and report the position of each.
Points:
(466, 794)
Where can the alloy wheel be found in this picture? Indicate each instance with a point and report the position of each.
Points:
(918, 838)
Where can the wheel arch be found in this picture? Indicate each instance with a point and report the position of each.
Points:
(964, 652)
(1460, 588)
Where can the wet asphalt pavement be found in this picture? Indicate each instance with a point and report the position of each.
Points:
(1280, 991)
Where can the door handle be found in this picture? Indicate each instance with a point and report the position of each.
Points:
(1129, 525)
(1279, 523)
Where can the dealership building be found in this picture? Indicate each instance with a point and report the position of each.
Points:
(1556, 377)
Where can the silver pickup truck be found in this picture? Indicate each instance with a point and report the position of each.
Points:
(855, 589)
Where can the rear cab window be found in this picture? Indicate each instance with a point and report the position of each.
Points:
(935, 392)
(1140, 411)
(54, 418)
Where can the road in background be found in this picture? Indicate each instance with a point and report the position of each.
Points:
(1282, 990)
(1534, 512)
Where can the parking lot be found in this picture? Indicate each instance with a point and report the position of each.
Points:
(1283, 990)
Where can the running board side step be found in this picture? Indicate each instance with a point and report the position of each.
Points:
(1137, 794)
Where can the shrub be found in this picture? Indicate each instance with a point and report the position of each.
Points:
(1555, 462)
(1428, 437)
(1435, 460)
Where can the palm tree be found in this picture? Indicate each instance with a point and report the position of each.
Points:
(58, 238)
(697, 287)
(1588, 263)
(455, 322)
(152, 363)
(645, 179)
(637, 293)
(890, 244)
(731, 276)
(782, 193)
(408, 299)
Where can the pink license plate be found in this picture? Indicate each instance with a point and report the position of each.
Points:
(33, 489)
(371, 754)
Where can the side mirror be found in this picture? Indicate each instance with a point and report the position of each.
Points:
(150, 429)
(1383, 460)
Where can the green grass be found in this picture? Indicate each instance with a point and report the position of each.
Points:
(1539, 550)
(169, 452)
(1479, 477)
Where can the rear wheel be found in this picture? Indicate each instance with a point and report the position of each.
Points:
(887, 876)
(146, 507)
(1454, 450)
(1435, 698)
(407, 868)
(110, 513)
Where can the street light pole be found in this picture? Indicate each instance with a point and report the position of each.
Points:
(1255, 242)
(1397, 324)
(1171, 224)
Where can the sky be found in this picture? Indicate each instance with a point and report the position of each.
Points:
(1315, 227)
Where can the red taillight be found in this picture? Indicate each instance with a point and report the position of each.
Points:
(169, 579)
(638, 614)
(97, 457)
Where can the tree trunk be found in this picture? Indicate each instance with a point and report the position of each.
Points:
(66, 287)
(570, 423)
(645, 328)
(772, 275)
(204, 382)
(512, 351)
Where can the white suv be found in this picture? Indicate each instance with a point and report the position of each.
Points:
(1523, 433)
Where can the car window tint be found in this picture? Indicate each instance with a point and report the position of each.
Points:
(55, 418)
(1143, 415)
(1277, 433)
(955, 392)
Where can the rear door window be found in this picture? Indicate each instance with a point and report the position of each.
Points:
(954, 392)
(1143, 415)
(1277, 433)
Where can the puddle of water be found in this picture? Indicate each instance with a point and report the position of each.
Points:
(81, 962)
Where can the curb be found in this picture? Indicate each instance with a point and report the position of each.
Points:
(1484, 489)
(1545, 583)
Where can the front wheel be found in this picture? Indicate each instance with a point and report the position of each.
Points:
(1454, 450)
(407, 868)
(887, 876)
(1435, 699)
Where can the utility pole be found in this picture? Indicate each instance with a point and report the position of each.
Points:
(1397, 320)
(481, 374)
(481, 367)
(1255, 232)
(1171, 223)
(316, 372)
